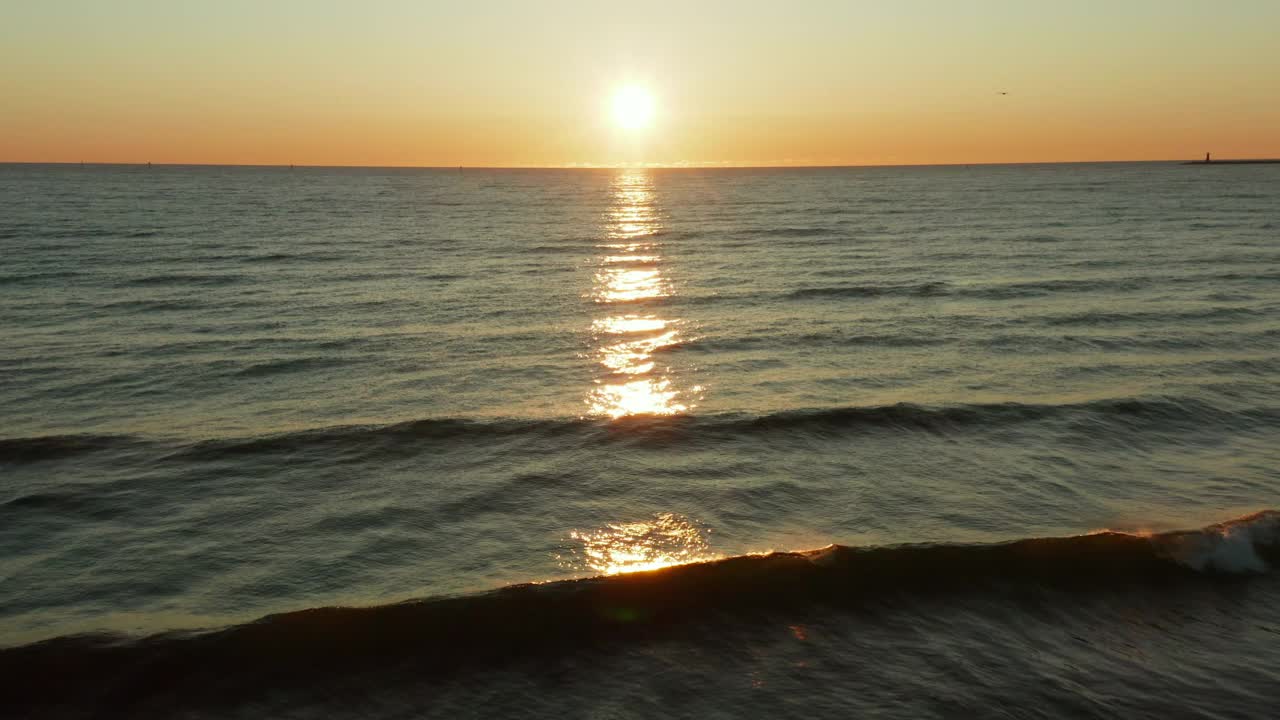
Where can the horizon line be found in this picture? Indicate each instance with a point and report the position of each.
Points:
(622, 166)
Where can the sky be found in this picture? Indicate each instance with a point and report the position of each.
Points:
(529, 83)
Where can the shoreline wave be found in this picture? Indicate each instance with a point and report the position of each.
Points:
(443, 635)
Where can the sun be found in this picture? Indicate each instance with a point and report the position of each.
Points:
(633, 108)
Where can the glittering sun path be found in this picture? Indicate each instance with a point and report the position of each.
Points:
(627, 282)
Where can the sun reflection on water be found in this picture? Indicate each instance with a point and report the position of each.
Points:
(629, 284)
(628, 324)
(666, 540)
(630, 356)
(638, 397)
(634, 259)
(629, 274)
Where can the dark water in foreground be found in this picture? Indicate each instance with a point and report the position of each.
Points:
(292, 443)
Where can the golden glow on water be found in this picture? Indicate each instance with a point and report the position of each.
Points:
(631, 259)
(630, 274)
(630, 229)
(638, 397)
(628, 324)
(663, 541)
(1141, 532)
(630, 248)
(628, 357)
(629, 285)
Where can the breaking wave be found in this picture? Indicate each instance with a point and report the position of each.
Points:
(443, 634)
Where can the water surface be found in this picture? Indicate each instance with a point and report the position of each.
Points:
(234, 392)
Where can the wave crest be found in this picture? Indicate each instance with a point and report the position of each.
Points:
(1093, 418)
(440, 636)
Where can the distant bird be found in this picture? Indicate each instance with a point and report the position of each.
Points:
(1004, 93)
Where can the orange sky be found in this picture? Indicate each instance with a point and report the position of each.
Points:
(739, 83)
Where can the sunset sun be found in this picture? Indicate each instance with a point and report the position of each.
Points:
(633, 108)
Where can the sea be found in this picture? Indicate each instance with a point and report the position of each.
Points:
(897, 442)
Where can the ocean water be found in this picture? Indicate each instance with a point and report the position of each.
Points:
(993, 441)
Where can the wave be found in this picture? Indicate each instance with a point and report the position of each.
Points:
(1013, 291)
(158, 305)
(55, 447)
(836, 338)
(1095, 418)
(183, 279)
(316, 257)
(1099, 418)
(39, 276)
(290, 365)
(790, 232)
(63, 233)
(444, 635)
(566, 248)
(928, 289)
(1101, 317)
(1036, 343)
(1038, 288)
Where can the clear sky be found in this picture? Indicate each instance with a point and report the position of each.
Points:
(518, 83)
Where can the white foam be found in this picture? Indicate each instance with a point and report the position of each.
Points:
(1231, 547)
